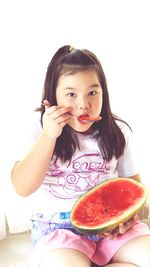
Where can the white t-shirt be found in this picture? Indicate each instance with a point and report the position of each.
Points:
(65, 182)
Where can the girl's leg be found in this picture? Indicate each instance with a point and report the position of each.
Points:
(65, 257)
(121, 265)
(135, 252)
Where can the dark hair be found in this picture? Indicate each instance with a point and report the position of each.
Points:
(110, 138)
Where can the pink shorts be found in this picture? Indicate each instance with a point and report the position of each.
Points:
(100, 252)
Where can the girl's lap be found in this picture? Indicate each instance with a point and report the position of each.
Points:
(129, 253)
(88, 251)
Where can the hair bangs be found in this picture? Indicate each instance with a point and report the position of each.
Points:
(66, 69)
(77, 61)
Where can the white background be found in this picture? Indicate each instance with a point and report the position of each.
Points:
(117, 31)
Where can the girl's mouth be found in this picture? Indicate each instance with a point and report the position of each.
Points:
(86, 118)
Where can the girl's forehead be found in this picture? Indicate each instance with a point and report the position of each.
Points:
(83, 79)
(81, 75)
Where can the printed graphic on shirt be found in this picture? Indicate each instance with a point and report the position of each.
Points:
(72, 180)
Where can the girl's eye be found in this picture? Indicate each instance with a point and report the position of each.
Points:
(71, 94)
(92, 93)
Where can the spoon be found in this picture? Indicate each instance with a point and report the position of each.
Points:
(89, 119)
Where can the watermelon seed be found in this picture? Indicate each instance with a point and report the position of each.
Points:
(105, 210)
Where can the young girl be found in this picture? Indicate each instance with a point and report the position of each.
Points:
(68, 156)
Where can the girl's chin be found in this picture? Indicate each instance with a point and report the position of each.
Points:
(83, 130)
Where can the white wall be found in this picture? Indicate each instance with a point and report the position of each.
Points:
(31, 31)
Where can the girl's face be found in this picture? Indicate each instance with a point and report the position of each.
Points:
(82, 92)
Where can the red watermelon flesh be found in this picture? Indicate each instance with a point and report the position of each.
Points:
(108, 204)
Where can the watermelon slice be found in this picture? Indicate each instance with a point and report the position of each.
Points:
(103, 207)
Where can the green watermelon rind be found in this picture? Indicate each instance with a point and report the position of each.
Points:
(113, 223)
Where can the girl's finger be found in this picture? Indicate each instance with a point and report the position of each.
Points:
(57, 111)
(64, 119)
(136, 217)
(122, 228)
(46, 103)
(49, 110)
(108, 235)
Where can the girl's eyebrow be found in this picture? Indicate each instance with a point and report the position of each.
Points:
(95, 85)
(70, 88)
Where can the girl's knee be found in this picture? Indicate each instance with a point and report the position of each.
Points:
(65, 258)
(135, 251)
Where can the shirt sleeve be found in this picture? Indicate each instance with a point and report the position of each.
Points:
(128, 163)
(34, 130)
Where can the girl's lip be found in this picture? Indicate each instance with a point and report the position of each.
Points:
(85, 118)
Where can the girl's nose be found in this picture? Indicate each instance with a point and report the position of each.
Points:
(83, 103)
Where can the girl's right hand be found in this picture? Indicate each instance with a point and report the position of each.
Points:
(122, 228)
(54, 119)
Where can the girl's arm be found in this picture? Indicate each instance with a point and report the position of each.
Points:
(136, 177)
(28, 174)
